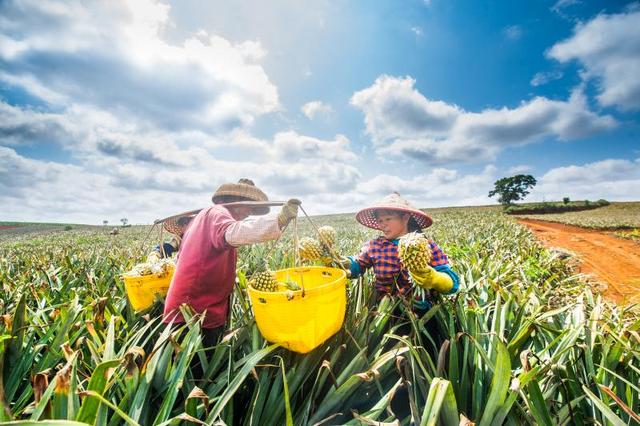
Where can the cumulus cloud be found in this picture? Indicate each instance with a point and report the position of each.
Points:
(315, 108)
(293, 147)
(47, 191)
(608, 47)
(26, 126)
(439, 187)
(394, 109)
(145, 181)
(613, 179)
(111, 56)
(404, 123)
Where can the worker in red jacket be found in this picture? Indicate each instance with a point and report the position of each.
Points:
(206, 266)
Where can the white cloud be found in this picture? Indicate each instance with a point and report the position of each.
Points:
(111, 56)
(26, 126)
(608, 46)
(520, 169)
(315, 108)
(439, 187)
(294, 147)
(612, 179)
(541, 78)
(153, 177)
(394, 109)
(512, 32)
(404, 123)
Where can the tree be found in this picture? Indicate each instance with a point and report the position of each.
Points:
(566, 200)
(124, 221)
(104, 222)
(510, 189)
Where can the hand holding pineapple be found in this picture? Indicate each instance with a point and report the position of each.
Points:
(415, 253)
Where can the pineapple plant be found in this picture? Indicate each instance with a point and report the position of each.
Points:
(53, 333)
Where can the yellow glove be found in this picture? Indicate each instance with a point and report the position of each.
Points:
(288, 213)
(430, 278)
(345, 264)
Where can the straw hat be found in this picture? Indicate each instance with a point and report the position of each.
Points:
(392, 202)
(177, 225)
(244, 190)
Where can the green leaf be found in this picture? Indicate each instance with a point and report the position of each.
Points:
(287, 404)
(440, 407)
(97, 383)
(238, 377)
(608, 414)
(499, 383)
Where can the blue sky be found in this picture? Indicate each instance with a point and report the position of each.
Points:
(141, 109)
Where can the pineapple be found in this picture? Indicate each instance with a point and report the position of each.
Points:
(310, 249)
(414, 251)
(327, 236)
(264, 281)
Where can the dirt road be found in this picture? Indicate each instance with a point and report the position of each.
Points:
(614, 261)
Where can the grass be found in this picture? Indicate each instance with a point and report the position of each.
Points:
(523, 342)
(617, 215)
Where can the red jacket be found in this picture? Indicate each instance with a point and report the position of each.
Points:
(206, 269)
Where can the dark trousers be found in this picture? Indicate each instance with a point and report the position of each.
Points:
(211, 336)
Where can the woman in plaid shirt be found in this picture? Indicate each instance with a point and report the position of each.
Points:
(395, 217)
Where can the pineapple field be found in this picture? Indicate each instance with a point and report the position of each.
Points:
(524, 341)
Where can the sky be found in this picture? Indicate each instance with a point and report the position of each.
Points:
(141, 109)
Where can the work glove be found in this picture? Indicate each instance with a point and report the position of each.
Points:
(288, 213)
(431, 279)
(345, 263)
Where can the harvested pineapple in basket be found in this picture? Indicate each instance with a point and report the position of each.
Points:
(264, 281)
(153, 266)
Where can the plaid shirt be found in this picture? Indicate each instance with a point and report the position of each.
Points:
(391, 276)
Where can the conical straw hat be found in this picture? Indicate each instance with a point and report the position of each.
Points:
(392, 202)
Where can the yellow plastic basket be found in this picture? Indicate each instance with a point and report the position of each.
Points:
(142, 291)
(306, 320)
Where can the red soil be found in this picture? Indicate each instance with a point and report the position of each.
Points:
(608, 259)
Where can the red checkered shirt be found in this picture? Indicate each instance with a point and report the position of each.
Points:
(391, 276)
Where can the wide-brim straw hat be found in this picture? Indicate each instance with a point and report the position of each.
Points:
(393, 202)
(178, 225)
(244, 190)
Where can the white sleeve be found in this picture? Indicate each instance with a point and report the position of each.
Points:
(252, 231)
